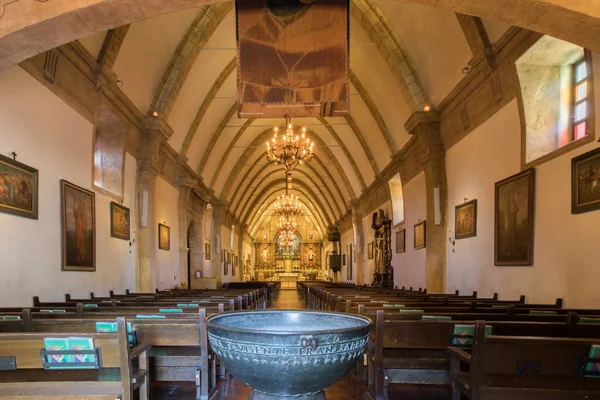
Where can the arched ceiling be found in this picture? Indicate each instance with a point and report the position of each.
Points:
(403, 56)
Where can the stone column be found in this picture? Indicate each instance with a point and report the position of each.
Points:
(218, 244)
(155, 133)
(185, 188)
(241, 232)
(360, 237)
(425, 125)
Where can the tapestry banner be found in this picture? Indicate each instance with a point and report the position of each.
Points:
(292, 58)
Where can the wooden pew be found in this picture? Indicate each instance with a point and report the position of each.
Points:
(122, 370)
(180, 350)
(523, 368)
(415, 351)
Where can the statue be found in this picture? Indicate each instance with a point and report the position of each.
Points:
(383, 276)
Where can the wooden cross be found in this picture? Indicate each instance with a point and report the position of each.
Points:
(14, 155)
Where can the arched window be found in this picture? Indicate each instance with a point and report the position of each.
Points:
(397, 197)
(556, 98)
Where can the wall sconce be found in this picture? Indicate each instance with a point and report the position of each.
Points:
(451, 240)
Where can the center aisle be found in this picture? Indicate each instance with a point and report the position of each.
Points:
(289, 299)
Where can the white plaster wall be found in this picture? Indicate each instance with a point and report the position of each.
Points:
(346, 239)
(226, 244)
(43, 130)
(566, 252)
(409, 267)
(166, 201)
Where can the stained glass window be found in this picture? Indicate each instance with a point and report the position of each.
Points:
(581, 104)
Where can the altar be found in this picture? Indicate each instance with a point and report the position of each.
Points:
(288, 280)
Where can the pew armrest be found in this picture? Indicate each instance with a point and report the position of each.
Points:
(460, 354)
(139, 350)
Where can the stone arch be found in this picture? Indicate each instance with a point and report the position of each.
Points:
(28, 28)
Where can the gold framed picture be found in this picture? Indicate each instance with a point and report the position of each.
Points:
(18, 188)
(465, 220)
(207, 251)
(119, 221)
(164, 237)
(78, 215)
(401, 241)
(420, 235)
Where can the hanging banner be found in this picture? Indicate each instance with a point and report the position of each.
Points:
(293, 58)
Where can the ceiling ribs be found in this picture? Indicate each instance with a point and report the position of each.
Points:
(204, 108)
(271, 175)
(188, 50)
(377, 27)
(233, 207)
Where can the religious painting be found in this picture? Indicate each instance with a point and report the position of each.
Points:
(585, 182)
(420, 235)
(207, 251)
(513, 235)
(119, 221)
(164, 237)
(401, 241)
(349, 269)
(78, 228)
(18, 188)
(465, 220)
(292, 58)
(370, 251)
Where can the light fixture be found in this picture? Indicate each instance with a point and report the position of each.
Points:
(291, 149)
(466, 69)
(287, 223)
(119, 82)
(427, 108)
(286, 239)
(287, 204)
(155, 114)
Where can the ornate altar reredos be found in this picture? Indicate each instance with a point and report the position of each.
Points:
(383, 275)
(303, 257)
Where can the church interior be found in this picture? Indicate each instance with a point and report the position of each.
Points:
(405, 188)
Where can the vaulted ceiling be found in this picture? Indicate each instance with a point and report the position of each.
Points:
(403, 57)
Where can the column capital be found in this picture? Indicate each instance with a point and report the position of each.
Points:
(422, 119)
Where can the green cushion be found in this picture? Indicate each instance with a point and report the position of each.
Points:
(467, 330)
(399, 305)
(498, 306)
(388, 306)
(541, 312)
(593, 366)
(91, 305)
(435, 318)
(170, 310)
(150, 316)
(584, 320)
(409, 311)
(10, 317)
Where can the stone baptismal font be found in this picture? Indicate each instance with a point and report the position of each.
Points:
(288, 354)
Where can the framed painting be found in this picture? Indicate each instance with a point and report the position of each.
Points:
(420, 235)
(207, 251)
(18, 188)
(164, 237)
(370, 251)
(513, 220)
(350, 265)
(78, 228)
(401, 241)
(119, 221)
(465, 220)
(585, 182)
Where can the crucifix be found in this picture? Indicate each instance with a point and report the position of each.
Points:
(14, 156)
